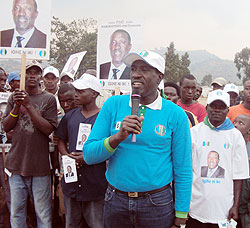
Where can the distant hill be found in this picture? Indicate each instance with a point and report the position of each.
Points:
(10, 65)
(203, 63)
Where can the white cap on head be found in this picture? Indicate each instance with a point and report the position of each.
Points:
(218, 95)
(151, 58)
(220, 81)
(51, 70)
(65, 73)
(88, 81)
(231, 88)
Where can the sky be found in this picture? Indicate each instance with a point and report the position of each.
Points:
(222, 27)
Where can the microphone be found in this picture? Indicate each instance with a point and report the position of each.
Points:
(135, 100)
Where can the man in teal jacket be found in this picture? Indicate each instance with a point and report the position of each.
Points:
(139, 173)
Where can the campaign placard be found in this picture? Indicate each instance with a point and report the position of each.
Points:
(69, 169)
(25, 27)
(73, 64)
(115, 40)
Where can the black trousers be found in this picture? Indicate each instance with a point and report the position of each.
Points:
(193, 223)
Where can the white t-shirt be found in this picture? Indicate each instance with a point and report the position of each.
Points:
(212, 197)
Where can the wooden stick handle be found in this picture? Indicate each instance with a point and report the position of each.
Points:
(3, 160)
(117, 90)
(23, 72)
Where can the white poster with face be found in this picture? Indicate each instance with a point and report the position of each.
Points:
(69, 169)
(83, 134)
(25, 29)
(73, 64)
(115, 40)
(3, 104)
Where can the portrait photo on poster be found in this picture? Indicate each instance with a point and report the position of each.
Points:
(83, 134)
(69, 169)
(25, 27)
(72, 64)
(213, 169)
(115, 40)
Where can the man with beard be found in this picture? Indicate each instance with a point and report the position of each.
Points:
(25, 34)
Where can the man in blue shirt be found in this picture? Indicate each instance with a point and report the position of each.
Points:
(139, 174)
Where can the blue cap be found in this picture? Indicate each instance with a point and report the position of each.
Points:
(13, 76)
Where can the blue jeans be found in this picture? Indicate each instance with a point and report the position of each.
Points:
(39, 189)
(150, 211)
(67, 206)
(90, 211)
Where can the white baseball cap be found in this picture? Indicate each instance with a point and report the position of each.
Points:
(88, 81)
(51, 70)
(218, 95)
(151, 58)
(231, 88)
(65, 73)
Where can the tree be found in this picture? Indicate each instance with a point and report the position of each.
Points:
(242, 63)
(207, 80)
(184, 64)
(175, 66)
(73, 37)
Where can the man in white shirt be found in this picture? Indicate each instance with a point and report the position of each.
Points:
(119, 46)
(216, 197)
(25, 34)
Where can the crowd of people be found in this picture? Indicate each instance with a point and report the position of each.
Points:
(177, 163)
